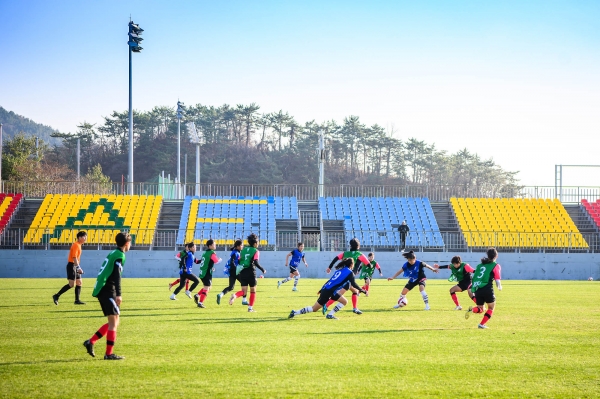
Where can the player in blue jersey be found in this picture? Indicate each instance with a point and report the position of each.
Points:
(186, 272)
(413, 269)
(333, 290)
(297, 256)
(230, 268)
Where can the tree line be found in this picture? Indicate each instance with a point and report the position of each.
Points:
(242, 145)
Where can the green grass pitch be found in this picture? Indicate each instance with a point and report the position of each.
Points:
(543, 341)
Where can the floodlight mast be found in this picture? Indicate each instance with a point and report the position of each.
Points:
(321, 152)
(134, 46)
(179, 116)
(195, 138)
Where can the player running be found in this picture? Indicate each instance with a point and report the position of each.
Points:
(186, 272)
(207, 262)
(297, 256)
(414, 270)
(180, 257)
(366, 270)
(246, 271)
(333, 290)
(461, 272)
(358, 258)
(108, 291)
(486, 272)
(230, 269)
(74, 270)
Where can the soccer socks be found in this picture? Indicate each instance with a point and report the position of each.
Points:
(99, 334)
(187, 285)
(477, 310)
(487, 316)
(425, 297)
(329, 303)
(285, 280)
(111, 337)
(454, 298)
(252, 298)
(77, 292)
(336, 309)
(366, 287)
(474, 300)
(239, 294)
(296, 278)
(175, 282)
(202, 295)
(64, 289)
(305, 310)
(354, 301)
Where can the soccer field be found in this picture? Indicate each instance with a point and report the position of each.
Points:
(543, 341)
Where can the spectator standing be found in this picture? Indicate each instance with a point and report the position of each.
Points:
(403, 229)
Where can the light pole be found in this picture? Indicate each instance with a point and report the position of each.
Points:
(321, 152)
(195, 138)
(179, 116)
(134, 47)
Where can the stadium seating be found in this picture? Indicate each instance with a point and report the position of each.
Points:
(8, 207)
(525, 223)
(224, 219)
(593, 210)
(370, 219)
(60, 217)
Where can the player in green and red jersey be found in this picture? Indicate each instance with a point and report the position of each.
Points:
(207, 261)
(485, 273)
(366, 270)
(108, 292)
(358, 258)
(246, 271)
(461, 272)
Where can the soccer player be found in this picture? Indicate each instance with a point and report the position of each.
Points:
(74, 270)
(207, 262)
(108, 291)
(297, 256)
(246, 271)
(485, 272)
(332, 290)
(358, 258)
(186, 272)
(180, 257)
(366, 270)
(461, 272)
(230, 269)
(414, 270)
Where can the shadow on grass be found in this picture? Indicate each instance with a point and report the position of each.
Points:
(43, 362)
(386, 331)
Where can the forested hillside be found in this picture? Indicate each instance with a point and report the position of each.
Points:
(13, 124)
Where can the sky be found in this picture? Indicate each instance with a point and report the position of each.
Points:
(514, 81)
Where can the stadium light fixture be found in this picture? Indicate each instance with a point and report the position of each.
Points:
(179, 116)
(134, 47)
(196, 139)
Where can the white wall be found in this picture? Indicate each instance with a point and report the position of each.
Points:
(538, 266)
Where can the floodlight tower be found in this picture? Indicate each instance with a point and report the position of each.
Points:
(196, 139)
(134, 47)
(321, 153)
(179, 116)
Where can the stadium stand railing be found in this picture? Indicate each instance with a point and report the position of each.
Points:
(9, 204)
(516, 223)
(60, 217)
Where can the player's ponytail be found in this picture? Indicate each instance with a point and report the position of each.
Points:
(491, 255)
(409, 255)
(236, 244)
(252, 239)
(348, 262)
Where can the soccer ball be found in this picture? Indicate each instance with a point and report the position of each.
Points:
(590, 279)
(403, 302)
(261, 276)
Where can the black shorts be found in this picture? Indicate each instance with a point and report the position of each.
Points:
(293, 269)
(207, 280)
(72, 273)
(464, 284)
(409, 286)
(109, 306)
(485, 295)
(247, 277)
(325, 295)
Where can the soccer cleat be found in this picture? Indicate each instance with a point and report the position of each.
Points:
(201, 305)
(458, 307)
(294, 289)
(89, 347)
(356, 311)
(188, 293)
(244, 301)
(292, 314)
(55, 299)
(219, 298)
(324, 309)
(250, 309)
(397, 306)
(427, 307)
(196, 299)
(278, 284)
(170, 286)
(173, 297)
(331, 317)
(482, 326)
(79, 303)
(112, 356)
(468, 313)
(231, 299)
